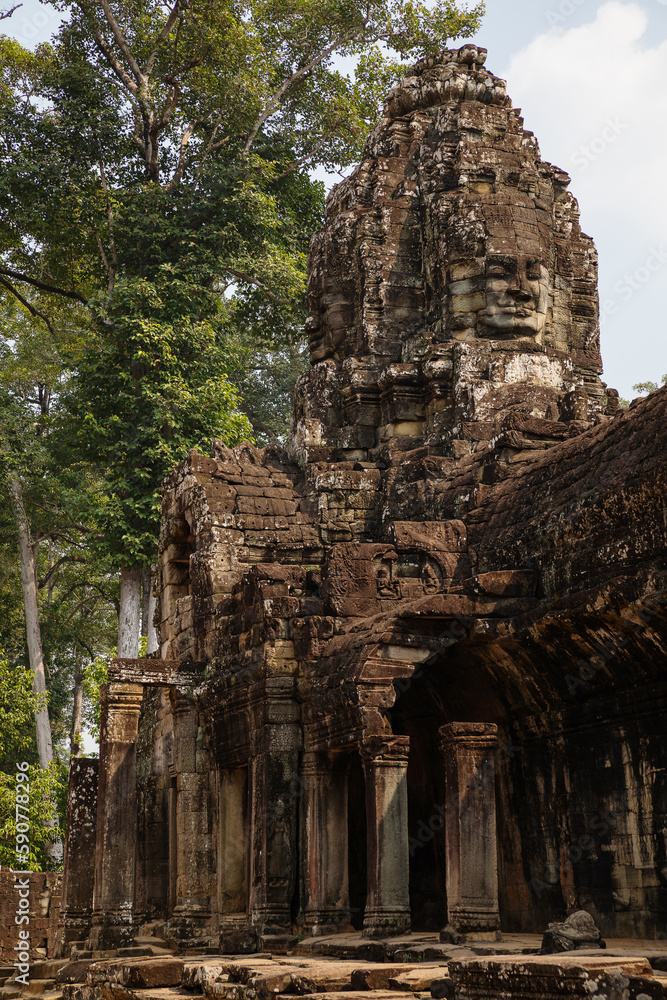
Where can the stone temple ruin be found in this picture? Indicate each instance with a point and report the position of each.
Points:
(412, 668)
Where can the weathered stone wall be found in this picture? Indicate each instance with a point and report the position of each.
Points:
(44, 911)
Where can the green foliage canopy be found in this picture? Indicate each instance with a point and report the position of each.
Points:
(152, 166)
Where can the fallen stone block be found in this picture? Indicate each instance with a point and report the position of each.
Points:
(138, 973)
(376, 977)
(535, 977)
(442, 989)
(74, 972)
(578, 931)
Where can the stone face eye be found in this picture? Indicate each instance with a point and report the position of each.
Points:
(500, 268)
(533, 271)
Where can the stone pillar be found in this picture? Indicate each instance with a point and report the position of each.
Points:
(469, 750)
(274, 794)
(325, 838)
(115, 852)
(233, 862)
(76, 908)
(385, 763)
(190, 921)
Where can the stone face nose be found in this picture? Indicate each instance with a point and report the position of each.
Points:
(519, 289)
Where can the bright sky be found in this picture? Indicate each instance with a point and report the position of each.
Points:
(589, 76)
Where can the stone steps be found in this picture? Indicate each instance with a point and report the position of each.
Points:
(458, 973)
(246, 978)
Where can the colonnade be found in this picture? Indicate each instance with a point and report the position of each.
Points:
(264, 858)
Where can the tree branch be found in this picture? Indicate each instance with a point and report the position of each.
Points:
(107, 597)
(162, 37)
(8, 13)
(291, 80)
(170, 106)
(211, 143)
(56, 565)
(10, 273)
(304, 159)
(31, 309)
(140, 77)
(113, 62)
(180, 167)
(258, 284)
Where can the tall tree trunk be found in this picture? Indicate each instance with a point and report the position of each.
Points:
(75, 741)
(145, 598)
(28, 555)
(130, 613)
(152, 644)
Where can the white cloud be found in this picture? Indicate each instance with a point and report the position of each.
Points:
(596, 98)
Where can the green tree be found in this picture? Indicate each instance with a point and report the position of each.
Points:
(67, 612)
(644, 388)
(153, 166)
(37, 823)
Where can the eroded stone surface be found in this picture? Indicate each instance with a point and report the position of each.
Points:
(578, 931)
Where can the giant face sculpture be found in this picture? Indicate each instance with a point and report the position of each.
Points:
(452, 224)
(517, 290)
(330, 315)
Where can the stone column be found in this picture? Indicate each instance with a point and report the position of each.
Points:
(233, 861)
(325, 838)
(274, 794)
(115, 852)
(76, 909)
(469, 750)
(189, 923)
(385, 763)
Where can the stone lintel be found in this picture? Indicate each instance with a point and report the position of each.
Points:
(159, 673)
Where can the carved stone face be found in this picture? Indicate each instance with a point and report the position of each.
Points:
(517, 290)
(330, 316)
